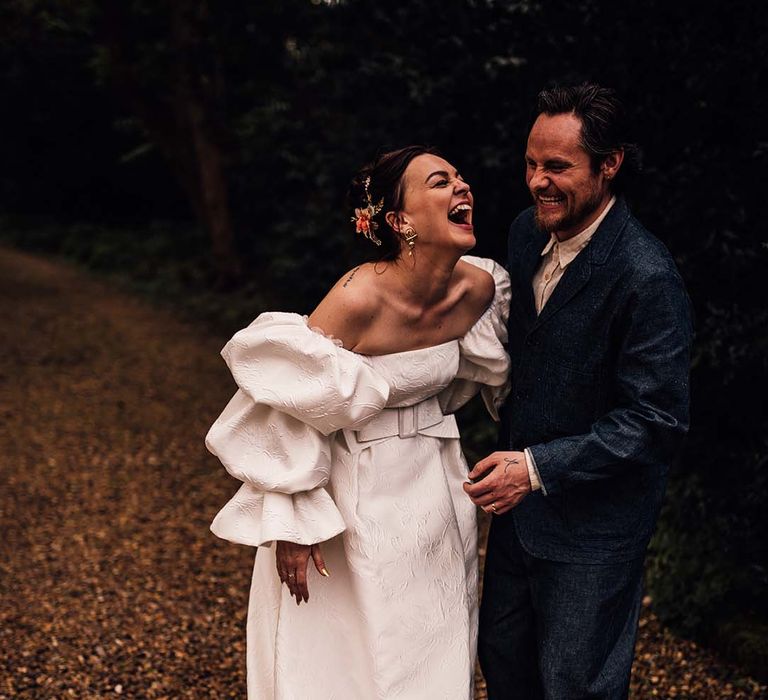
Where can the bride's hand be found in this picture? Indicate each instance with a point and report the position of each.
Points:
(292, 562)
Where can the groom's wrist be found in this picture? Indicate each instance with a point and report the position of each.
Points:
(533, 472)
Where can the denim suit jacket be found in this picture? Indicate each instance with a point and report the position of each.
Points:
(600, 389)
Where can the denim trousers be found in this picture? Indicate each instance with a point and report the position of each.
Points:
(555, 630)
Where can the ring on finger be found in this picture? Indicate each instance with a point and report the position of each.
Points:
(493, 507)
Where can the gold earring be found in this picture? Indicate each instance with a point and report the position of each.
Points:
(410, 238)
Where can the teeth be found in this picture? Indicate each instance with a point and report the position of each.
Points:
(460, 207)
(550, 200)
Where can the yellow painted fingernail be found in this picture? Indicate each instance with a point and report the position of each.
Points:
(324, 572)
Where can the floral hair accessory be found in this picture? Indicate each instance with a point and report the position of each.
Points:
(363, 218)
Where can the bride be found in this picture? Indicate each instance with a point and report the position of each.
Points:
(365, 582)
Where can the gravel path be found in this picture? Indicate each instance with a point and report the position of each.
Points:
(110, 583)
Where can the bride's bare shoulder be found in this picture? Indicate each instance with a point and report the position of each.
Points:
(478, 285)
(350, 306)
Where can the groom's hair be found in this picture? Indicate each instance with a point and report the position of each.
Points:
(604, 124)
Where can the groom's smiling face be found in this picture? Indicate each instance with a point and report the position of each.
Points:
(567, 191)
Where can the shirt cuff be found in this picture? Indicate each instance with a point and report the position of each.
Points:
(533, 472)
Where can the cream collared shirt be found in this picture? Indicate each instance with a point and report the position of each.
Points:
(556, 257)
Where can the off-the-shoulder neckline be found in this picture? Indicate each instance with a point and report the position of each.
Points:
(403, 352)
(339, 344)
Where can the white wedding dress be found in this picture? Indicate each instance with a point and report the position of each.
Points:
(362, 454)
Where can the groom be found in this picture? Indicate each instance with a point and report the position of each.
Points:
(599, 336)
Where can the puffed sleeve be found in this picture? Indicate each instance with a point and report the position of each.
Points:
(295, 388)
(484, 362)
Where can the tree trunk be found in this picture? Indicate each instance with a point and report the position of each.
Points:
(183, 121)
(198, 98)
(215, 200)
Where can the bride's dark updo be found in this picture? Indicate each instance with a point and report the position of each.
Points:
(386, 181)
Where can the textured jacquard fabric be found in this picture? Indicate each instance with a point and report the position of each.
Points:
(397, 618)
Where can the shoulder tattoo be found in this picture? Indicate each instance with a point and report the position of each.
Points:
(351, 276)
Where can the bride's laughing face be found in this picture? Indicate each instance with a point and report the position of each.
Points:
(437, 205)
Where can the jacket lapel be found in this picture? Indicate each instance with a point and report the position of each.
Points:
(529, 263)
(579, 271)
(576, 275)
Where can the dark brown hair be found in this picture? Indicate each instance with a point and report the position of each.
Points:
(386, 172)
(604, 124)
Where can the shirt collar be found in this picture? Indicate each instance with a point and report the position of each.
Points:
(569, 249)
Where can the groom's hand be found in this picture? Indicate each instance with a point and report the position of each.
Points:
(500, 482)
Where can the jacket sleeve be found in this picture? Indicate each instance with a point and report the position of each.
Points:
(651, 396)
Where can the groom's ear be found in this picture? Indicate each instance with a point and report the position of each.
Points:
(611, 164)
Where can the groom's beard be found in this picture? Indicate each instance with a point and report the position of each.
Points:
(570, 218)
